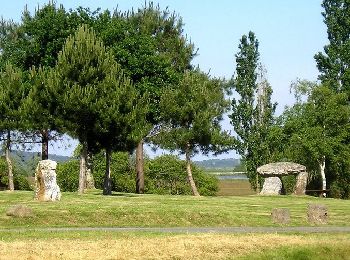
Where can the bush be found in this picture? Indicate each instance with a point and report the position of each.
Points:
(167, 175)
(20, 177)
(340, 189)
(289, 183)
(67, 175)
(122, 174)
(163, 175)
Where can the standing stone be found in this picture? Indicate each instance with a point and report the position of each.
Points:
(46, 188)
(272, 186)
(300, 185)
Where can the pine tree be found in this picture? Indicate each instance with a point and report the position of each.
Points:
(98, 103)
(12, 92)
(192, 115)
(151, 48)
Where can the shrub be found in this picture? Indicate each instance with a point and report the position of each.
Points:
(167, 175)
(68, 175)
(122, 174)
(20, 177)
(163, 175)
(289, 183)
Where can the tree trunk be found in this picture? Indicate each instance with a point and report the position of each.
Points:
(44, 144)
(189, 173)
(140, 176)
(107, 185)
(323, 175)
(82, 173)
(11, 186)
(89, 178)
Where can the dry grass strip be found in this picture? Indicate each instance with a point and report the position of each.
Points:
(206, 246)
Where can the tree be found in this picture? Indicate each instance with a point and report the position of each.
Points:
(151, 48)
(12, 91)
(192, 115)
(334, 64)
(317, 131)
(36, 42)
(252, 113)
(99, 105)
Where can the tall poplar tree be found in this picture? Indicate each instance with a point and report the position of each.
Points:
(334, 63)
(252, 112)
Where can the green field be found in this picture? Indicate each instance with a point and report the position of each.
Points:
(123, 210)
(131, 210)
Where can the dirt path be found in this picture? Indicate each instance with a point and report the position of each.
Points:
(191, 230)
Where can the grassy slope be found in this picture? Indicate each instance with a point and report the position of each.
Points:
(122, 210)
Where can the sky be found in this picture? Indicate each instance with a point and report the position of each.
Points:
(290, 33)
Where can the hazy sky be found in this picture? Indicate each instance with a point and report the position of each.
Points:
(290, 33)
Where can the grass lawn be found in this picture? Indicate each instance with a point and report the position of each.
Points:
(127, 210)
(131, 210)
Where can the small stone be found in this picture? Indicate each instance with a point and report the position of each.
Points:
(272, 186)
(317, 214)
(20, 211)
(46, 188)
(280, 216)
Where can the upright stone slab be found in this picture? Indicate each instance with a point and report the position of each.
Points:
(300, 185)
(46, 188)
(272, 186)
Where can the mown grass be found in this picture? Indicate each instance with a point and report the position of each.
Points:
(131, 210)
(97, 245)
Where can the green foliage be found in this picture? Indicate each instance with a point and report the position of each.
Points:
(167, 175)
(318, 130)
(150, 46)
(122, 173)
(20, 177)
(99, 103)
(252, 113)
(68, 175)
(163, 175)
(12, 92)
(288, 183)
(192, 115)
(334, 63)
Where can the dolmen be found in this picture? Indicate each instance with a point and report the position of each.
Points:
(46, 188)
(273, 172)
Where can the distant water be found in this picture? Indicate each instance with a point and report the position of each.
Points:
(232, 177)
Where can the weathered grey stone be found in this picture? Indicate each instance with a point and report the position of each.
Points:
(46, 188)
(272, 186)
(280, 216)
(300, 185)
(280, 169)
(317, 214)
(20, 211)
